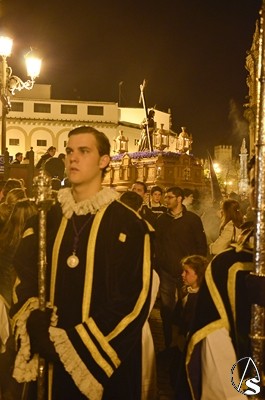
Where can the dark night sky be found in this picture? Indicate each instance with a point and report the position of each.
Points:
(191, 52)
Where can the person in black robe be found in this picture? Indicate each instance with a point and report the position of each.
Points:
(98, 285)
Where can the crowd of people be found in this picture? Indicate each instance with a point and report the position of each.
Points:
(110, 257)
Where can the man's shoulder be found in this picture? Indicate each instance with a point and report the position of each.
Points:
(191, 214)
(164, 218)
(53, 217)
(222, 262)
(122, 214)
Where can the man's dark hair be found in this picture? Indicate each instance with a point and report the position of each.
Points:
(143, 185)
(103, 144)
(61, 156)
(177, 191)
(132, 199)
(56, 183)
(55, 167)
(156, 189)
(10, 184)
(187, 192)
(18, 154)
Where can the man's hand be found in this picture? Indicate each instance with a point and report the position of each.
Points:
(38, 329)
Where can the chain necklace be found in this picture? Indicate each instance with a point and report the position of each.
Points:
(73, 260)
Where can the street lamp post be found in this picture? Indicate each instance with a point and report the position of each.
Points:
(12, 83)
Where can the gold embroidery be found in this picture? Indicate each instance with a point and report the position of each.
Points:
(28, 232)
(14, 293)
(231, 283)
(91, 247)
(143, 295)
(122, 237)
(55, 255)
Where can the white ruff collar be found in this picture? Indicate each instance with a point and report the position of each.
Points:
(190, 290)
(92, 205)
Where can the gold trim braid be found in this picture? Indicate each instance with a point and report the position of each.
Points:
(143, 295)
(93, 350)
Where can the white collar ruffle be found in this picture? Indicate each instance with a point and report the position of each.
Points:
(91, 205)
(190, 290)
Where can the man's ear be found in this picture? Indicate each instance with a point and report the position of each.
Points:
(104, 161)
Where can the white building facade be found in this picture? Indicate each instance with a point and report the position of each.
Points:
(37, 121)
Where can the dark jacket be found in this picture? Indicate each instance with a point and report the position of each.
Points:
(42, 160)
(183, 313)
(147, 214)
(177, 238)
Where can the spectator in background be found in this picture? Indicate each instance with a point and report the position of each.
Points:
(155, 201)
(10, 184)
(10, 236)
(55, 167)
(18, 158)
(211, 220)
(7, 206)
(188, 198)
(49, 153)
(234, 196)
(26, 158)
(179, 233)
(232, 219)
(193, 270)
(145, 212)
(2, 184)
(62, 156)
(132, 199)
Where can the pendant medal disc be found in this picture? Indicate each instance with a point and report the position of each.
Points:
(72, 261)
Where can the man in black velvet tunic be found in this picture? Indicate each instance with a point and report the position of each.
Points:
(98, 285)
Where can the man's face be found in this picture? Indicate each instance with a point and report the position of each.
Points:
(52, 152)
(19, 157)
(189, 200)
(172, 201)
(138, 188)
(156, 197)
(83, 162)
